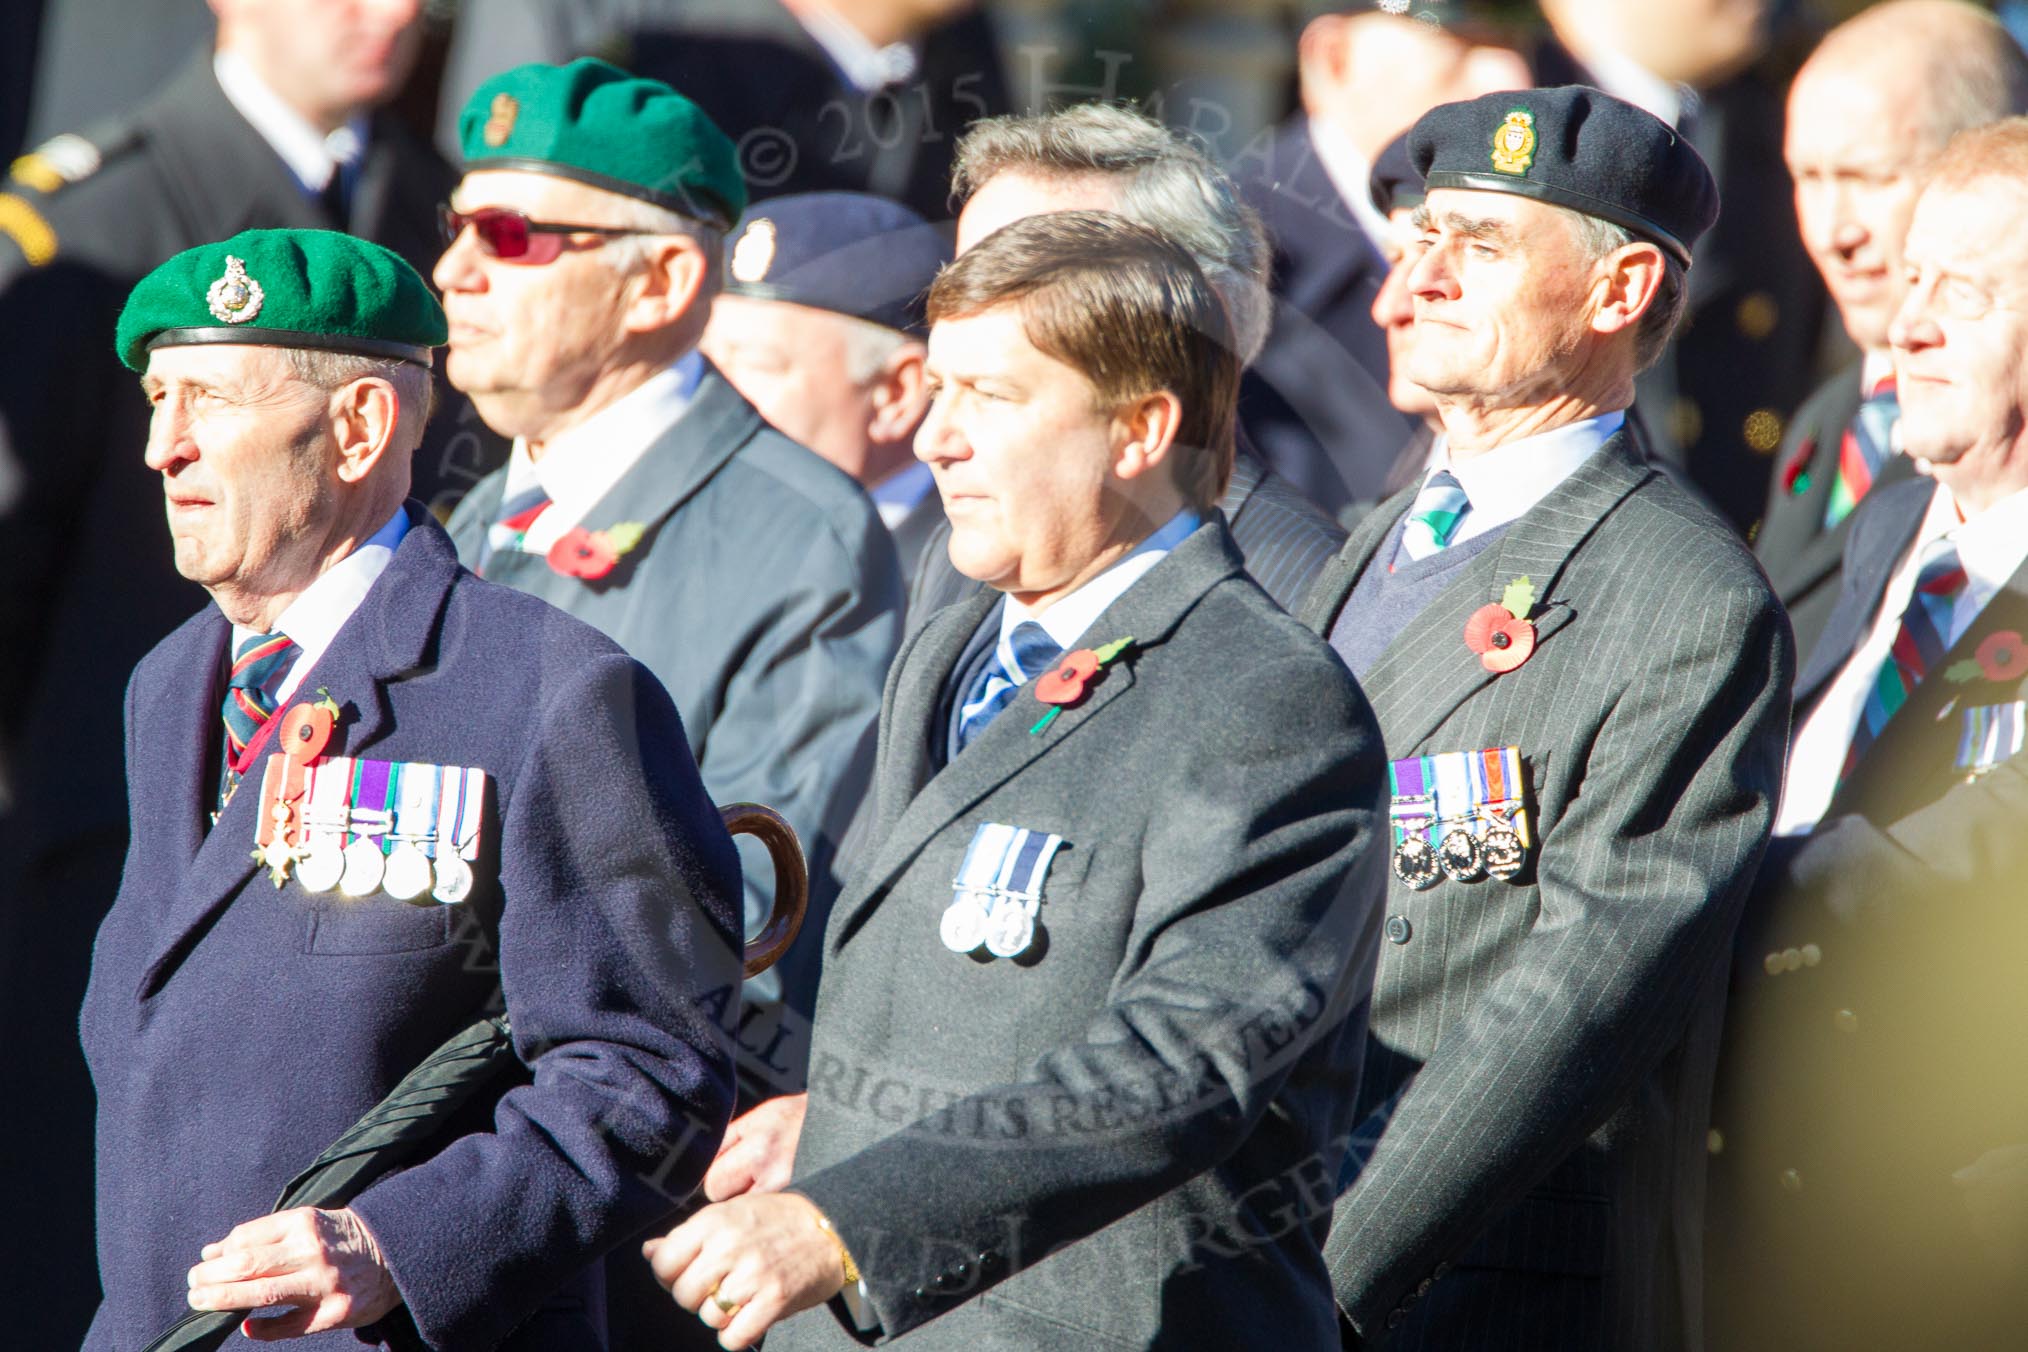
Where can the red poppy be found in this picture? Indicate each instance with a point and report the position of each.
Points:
(1065, 683)
(306, 730)
(582, 553)
(2003, 656)
(1501, 641)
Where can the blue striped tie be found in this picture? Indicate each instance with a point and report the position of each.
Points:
(1434, 515)
(1034, 651)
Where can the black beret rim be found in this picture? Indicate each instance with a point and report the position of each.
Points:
(676, 202)
(1562, 197)
(768, 291)
(327, 342)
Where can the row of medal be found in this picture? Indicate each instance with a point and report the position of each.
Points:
(1460, 815)
(1992, 734)
(363, 826)
(998, 891)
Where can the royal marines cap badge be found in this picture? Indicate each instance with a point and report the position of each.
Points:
(999, 892)
(500, 120)
(235, 297)
(1514, 142)
(755, 252)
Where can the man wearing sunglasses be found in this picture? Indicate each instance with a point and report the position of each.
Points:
(644, 495)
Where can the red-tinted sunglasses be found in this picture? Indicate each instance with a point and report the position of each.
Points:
(510, 236)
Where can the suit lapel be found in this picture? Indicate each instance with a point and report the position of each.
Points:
(1147, 612)
(223, 176)
(388, 635)
(1427, 671)
(174, 728)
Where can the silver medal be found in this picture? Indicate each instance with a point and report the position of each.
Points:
(1458, 854)
(963, 927)
(454, 878)
(1010, 930)
(1415, 862)
(1502, 852)
(321, 868)
(408, 872)
(365, 865)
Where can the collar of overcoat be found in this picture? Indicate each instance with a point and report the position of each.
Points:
(1427, 671)
(914, 803)
(391, 633)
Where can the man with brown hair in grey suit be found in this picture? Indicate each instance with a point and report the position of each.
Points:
(1585, 682)
(1088, 1037)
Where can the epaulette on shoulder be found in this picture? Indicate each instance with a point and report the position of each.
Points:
(56, 164)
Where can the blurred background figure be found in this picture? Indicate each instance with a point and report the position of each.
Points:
(820, 327)
(1315, 403)
(1748, 349)
(865, 95)
(1869, 1191)
(278, 125)
(1867, 113)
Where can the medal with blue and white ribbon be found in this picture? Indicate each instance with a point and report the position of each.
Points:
(1010, 931)
(963, 927)
(415, 822)
(461, 801)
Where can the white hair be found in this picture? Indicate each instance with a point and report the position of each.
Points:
(414, 393)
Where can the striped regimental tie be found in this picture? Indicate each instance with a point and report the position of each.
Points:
(258, 666)
(1919, 644)
(1034, 651)
(1864, 447)
(1433, 517)
(511, 527)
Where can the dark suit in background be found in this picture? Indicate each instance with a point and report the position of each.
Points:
(1283, 538)
(1803, 557)
(91, 583)
(1860, 1075)
(1314, 403)
(1542, 1047)
(1130, 1139)
(757, 72)
(235, 1029)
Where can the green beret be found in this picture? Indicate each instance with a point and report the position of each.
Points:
(284, 288)
(593, 122)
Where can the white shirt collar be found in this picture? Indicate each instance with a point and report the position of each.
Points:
(581, 466)
(314, 618)
(1625, 78)
(1068, 617)
(866, 68)
(1352, 175)
(311, 156)
(1502, 484)
(902, 492)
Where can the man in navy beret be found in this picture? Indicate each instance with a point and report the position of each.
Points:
(820, 327)
(1585, 679)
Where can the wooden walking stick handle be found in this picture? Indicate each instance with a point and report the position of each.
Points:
(792, 880)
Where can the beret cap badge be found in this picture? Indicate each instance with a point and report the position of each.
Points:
(235, 297)
(1514, 142)
(500, 119)
(755, 252)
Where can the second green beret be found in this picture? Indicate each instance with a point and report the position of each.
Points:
(593, 122)
(284, 288)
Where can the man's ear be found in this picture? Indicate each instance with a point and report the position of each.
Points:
(668, 288)
(363, 415)
(1632, 278)
(900, 395)
(1144, 433)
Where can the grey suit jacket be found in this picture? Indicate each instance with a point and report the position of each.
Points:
(1802, 558)
(1283, 536)
(1131, 1140)
(1535, 1099)
(765, 596)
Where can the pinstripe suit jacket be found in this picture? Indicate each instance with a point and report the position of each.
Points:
(1534, 1101)
(1284, 537)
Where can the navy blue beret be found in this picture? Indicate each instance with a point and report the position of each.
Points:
(849, 252)
(1575, 147)
(1394, 181)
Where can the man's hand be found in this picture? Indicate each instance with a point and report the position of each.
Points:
(743, 1266)
(323, 1264)
(759, 1149)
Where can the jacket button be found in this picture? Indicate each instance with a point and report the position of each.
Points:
(945, 1281)
(963, 1269)
(1394, 1318)
(989, 1262)
(1398, 929)
(922, 1293)
(1792, 1181)
(1423, 1289)
(1846, 1021)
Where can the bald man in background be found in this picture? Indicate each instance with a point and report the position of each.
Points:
(1871, 108)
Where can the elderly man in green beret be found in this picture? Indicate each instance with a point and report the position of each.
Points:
(644, 495)
(373, 798)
